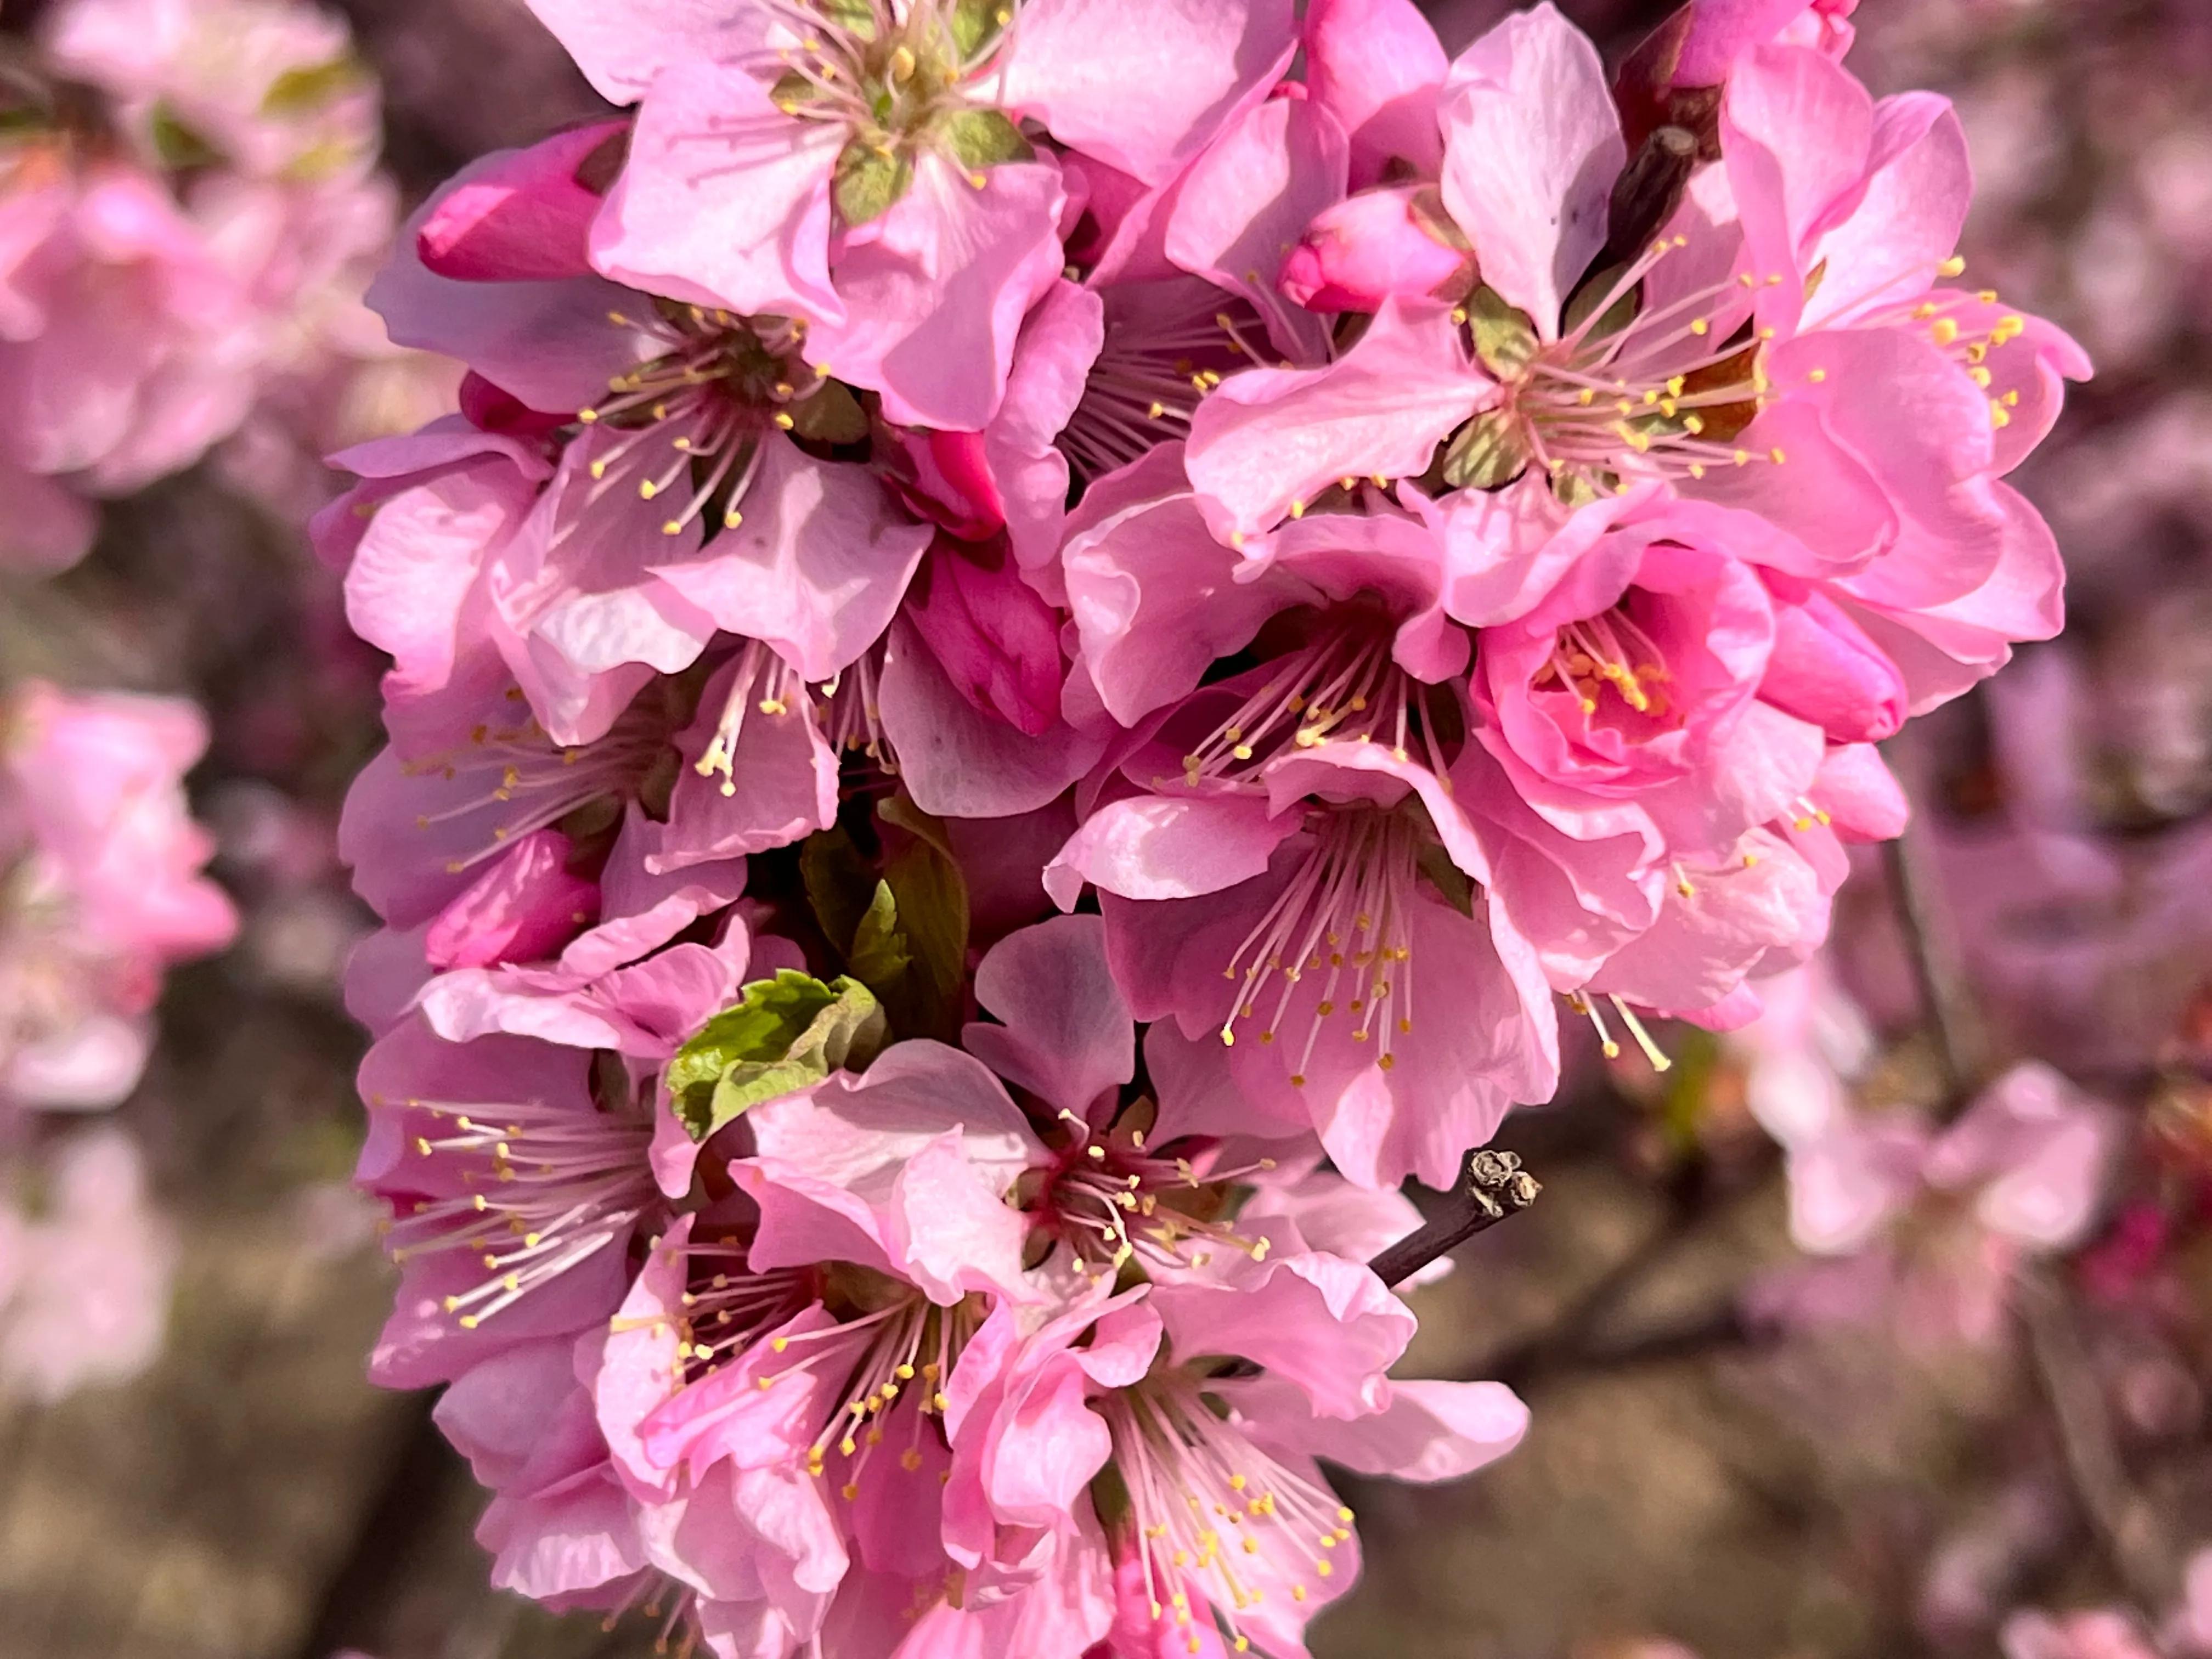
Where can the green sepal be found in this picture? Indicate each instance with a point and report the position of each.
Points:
(856, 17)
(784, 1034)
(975, 23)
(981, 138)
(1486, 452)
(868, 183)
(1451, 883)
(1504, 339)
(830, 416)
(176, 144)
(1584, 301)
(296, 92)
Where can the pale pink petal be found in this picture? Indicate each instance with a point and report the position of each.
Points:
(1269, 437)
(1378, 67)
(1531, 146)
(1065, 1032)
(1143, 85)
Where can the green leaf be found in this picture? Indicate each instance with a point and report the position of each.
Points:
(830, 416)
(932, 896)
(785, 1034)
(298, 91)
(867, 182)
(855, 17)
(176, 144)
(840, 885)
(1487, 452)
(1504, 338)
(879, 955)
(984, 137)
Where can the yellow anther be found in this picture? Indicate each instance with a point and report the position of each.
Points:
(1954, 266)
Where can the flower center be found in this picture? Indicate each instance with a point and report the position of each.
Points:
(897, 81)
(1345, 913)
(846, 708)
(1114, 1200)
(891, 1350)
(1343, 685)
(689, 423)
(545, 1188)
(1166, 346)
(530, 783)
(1609, 658)
(1216, 1523)
(1625, 393)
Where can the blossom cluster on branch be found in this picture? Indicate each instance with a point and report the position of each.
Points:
(1039, 656)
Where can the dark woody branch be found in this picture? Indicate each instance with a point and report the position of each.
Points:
(1494, 1188)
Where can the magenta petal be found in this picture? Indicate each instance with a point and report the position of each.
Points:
(1065, 1034)
(1245, 203)
(522, 217)
(957, 762)
(1157, 601)
(1160, 848)
(1323, 1323)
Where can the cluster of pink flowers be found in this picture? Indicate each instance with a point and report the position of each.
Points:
(99, 893)
(1385, 553)
(189, 209)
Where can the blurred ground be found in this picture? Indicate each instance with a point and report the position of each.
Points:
(253, 1498)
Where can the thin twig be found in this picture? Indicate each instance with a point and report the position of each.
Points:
(1944, 1002)
(1496, 1187)
(2125, 1527)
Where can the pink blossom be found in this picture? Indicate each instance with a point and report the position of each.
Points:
(2099, 1634)
(84, 1285)
(916, 285)
(514, 1194)
(272, 88)
(105, 892)
(1188, 1447)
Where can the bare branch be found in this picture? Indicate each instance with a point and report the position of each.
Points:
(1496, 1187)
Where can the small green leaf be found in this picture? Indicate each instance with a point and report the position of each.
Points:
(868, 182)
(1504, 338)
(840, 885)
(785, 1034)
(298, 91)
(793, 91)
(830, 416)
(176, 144)
(879, 957)
(932, 896)
(984, 137)
(1486, 452)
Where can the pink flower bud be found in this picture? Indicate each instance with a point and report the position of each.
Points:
(492, 407)
(946, 478)
(995, 638)
(1826, 671)
(523, 908)
(1370, 246)
(527, 216)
